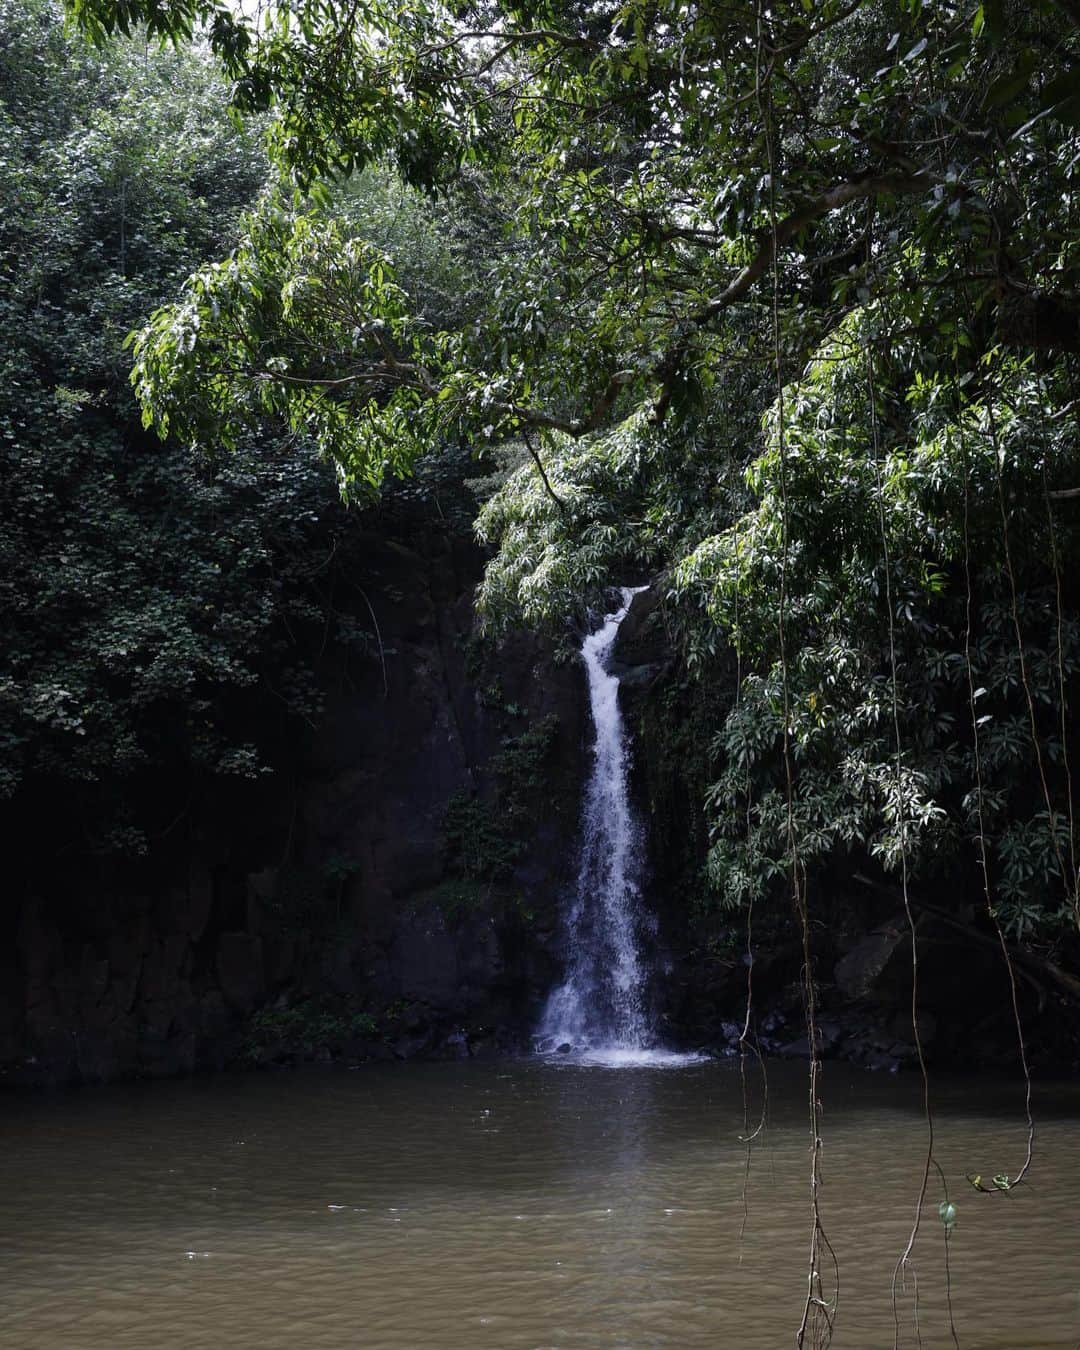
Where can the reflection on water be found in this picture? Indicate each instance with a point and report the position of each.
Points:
(529, 1204)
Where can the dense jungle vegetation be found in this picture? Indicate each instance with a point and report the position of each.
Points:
(162, 604)
(776, 305)
(779, 302)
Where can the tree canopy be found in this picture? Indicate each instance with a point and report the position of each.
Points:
(778, 299)
(162, 609)
(666, 174)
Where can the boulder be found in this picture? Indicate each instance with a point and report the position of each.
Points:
(827, 1034)
(642, 638)
(411, 1044)
(859, 970)
(731, 1032)
(456, 1046)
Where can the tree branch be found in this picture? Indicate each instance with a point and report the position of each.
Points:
(543, 474)
(666, 369)
(888, 184)
(856, 189)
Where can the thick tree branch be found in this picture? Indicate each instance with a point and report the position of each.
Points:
(856, 189)
(543, 474)
(843, 194)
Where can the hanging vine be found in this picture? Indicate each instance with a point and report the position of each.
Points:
(818, 1310)
(984, 864)
(748, 1040)
(901, 1271)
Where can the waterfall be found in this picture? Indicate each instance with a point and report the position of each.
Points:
(600, 1009)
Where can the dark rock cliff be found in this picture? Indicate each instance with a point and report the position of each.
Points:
(330, 908)
(394, 889)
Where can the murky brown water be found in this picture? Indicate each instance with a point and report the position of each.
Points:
(459, 1207)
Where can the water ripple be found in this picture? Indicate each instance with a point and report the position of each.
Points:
(374, 1210)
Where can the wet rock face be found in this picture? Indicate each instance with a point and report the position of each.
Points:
(331, 885)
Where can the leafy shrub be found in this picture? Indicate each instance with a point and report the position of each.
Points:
(299, 1031)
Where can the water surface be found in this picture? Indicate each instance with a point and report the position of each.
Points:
(523, 1204)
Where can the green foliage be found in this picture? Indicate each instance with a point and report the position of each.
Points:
(682, 212)
(638, 157)
(304, 1028)
(307, 901)
(916, 476)
(459, 897)
(485, 835)
(555, 552)
(293, 284)
(628, 500)
(480, 845)
(109, 612)
(158, 607)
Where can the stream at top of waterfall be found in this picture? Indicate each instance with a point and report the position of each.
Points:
(532, 1202)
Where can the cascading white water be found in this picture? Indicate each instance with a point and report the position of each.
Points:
(599, 1010)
